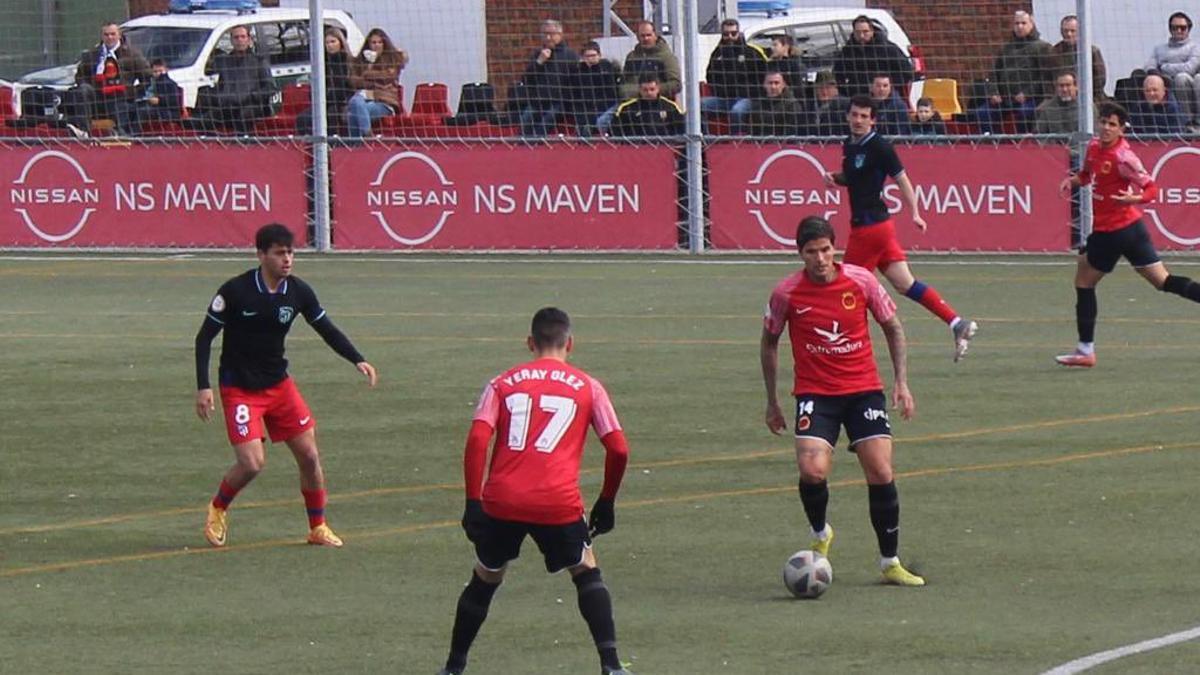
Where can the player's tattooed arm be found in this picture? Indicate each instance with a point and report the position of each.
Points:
(902, 398)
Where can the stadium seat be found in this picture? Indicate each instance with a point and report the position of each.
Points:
(296, 99)
(431, 98)
(944, 94)
(430, 108)
(6, 104)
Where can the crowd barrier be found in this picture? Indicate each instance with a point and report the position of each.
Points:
(979, 196)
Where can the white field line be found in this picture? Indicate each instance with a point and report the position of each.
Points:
(1081, 664)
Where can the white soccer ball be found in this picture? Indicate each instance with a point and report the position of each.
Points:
(807, 574)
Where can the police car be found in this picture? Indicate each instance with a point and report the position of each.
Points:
(187, 37)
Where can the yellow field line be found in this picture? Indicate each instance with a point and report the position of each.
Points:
(689, 461)
(1065, 318)
(176, 553)
(376, 533)
(922, 344)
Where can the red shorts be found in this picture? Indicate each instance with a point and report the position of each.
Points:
(280, 407)
(873, 246)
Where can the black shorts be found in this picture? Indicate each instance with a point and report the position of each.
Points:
(562, 546)
(864, 415)
(1104, 249)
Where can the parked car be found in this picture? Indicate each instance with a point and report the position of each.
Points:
(186, 41)
(819, 34)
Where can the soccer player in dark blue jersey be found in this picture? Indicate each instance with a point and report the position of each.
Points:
(868, 159)
(256, 309)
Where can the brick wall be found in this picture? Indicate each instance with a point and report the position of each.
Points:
(959, 39)
(513, 28)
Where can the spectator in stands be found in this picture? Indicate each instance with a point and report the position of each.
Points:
(542, 93)
(1179, 61)
(163, 100)
(337, 85)
(785, 59)
(1021, 78)
(108, 78)
(1059, 114)
(868, 53)
(1065, 57)
(244, 85)
(593, 89)
(1157, 113)
(735, 72)
(650, 114)
(651, 54)
(776, 112)
(927, 121)
(375, 73)
(891, 113)
(828, 116)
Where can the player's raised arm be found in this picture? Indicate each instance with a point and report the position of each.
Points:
(902, 398)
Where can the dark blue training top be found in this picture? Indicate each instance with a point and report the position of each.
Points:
(866, 165)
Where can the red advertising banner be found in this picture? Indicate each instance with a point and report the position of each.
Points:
(1172, 218)
(194, 195)
(500, 197)
(974, 197)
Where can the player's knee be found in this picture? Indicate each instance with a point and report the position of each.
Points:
(252, 465)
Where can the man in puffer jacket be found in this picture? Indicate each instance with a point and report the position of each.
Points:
(867, 54)
(1021, 79)
(735, 72)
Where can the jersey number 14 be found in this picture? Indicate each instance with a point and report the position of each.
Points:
(562, 413)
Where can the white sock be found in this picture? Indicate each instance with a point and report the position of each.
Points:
(823, 534)
(954, 324)
(1086, 348)
(885, 562)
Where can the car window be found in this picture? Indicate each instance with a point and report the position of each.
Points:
(179, 47)
(284, 43)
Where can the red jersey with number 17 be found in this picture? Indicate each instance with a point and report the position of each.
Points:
(541, 411)
(1113, 170)
(827, 326)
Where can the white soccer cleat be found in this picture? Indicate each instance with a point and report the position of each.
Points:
(963, 332)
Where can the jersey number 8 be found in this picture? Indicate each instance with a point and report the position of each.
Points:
(562, 411)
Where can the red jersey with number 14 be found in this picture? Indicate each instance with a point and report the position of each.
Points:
(541, 411)
(1113, 170)
(827, 325)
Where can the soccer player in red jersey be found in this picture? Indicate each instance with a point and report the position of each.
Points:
(824, 307)
(1120, 184)
(539, 412)
(868, 159)
(256, 310)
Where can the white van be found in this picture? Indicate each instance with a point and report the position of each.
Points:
(186, 41)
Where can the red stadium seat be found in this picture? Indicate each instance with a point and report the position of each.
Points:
(431, 98)
(6, 104)
(296, 99)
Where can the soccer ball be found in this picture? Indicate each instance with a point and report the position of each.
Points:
(807, 574)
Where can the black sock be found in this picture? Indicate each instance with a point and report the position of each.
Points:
(1085, 313)
(885, 517)
(472, 610)
(815, 497)
(595, 604)
(1183, 287)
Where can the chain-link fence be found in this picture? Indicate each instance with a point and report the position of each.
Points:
(594, 125)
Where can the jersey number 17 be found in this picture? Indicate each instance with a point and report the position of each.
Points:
(561, 408)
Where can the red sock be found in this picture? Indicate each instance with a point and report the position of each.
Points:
(932, 301)
(225, 495)
(314, 501)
